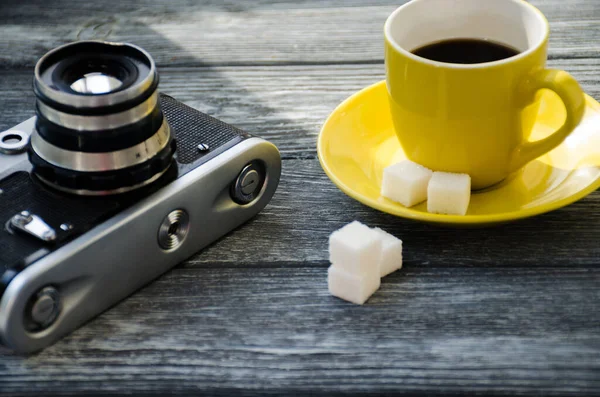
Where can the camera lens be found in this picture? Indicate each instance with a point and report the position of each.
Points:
(100, 129)
(96, 83)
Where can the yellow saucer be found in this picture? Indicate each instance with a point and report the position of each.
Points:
(358, 141)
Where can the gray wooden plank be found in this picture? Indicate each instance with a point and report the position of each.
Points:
(187, 33)
(293, 231)
(288, 109)
(308, 207)
(428, 330)
(287, 105)
(508, 311)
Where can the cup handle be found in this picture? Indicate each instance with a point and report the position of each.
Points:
(569, 91)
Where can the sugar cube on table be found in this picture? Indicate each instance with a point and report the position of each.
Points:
(355, 288)
(449, 193)
(391, 253)
(355, 248)
(406, 183)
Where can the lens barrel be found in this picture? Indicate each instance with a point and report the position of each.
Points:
(100, 129)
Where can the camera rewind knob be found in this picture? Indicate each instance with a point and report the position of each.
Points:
(44, 309)
(249, 183)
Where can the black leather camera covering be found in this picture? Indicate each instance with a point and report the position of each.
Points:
(22, 191)
(193, 128)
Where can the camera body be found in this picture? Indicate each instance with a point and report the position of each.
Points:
(66, 257)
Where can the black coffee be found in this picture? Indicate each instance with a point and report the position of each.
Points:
(465, 51)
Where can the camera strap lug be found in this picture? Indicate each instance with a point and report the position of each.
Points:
(33, 225)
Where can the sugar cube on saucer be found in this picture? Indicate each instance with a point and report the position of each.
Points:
(406, 183)
(391, 253)
(355, 248)
(449, 193)
(355, 288)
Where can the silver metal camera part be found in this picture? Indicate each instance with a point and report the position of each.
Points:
(99, 129)
(69, 253)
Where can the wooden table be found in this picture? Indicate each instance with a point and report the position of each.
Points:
(510, 310)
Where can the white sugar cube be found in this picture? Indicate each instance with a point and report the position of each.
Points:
(351, 287)
(355, 248)
(449, 193)
(391, 253)
(406, 183)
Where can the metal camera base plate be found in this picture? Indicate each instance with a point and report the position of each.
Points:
(117, 257)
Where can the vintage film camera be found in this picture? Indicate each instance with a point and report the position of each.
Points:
(109, 186)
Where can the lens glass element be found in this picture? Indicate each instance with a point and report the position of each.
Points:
(96, 83)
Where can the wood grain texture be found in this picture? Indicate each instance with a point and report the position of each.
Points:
(510, 310)
(285, 104)
(433, 331)
(308, 207)
(192, 33)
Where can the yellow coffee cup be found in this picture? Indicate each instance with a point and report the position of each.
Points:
(473, 118)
